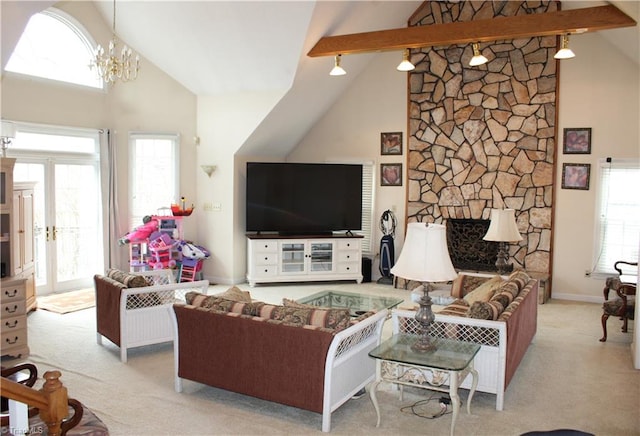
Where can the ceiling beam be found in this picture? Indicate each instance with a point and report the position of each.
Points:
(499, 28)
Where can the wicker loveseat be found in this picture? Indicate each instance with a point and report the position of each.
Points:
(302, 357)
(504, 331)
(132, 309)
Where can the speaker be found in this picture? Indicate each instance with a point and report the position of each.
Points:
(366, 270)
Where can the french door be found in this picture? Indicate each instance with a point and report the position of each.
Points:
(67, 216)
(65, 165)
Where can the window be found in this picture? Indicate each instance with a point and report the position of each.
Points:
(618, 220)
(154, 174)
(55, 46)
(367, 207)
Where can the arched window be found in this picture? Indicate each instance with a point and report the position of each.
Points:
(55, 46)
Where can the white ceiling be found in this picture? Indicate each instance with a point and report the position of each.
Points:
(223, 47)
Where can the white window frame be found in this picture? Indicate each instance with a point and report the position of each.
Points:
(134, 166)
(601, 266)
(83, 36)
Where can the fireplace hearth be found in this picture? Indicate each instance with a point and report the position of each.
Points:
(467, 249)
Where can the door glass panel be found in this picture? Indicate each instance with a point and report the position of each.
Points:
(292, 257)
(321, 256)
(76, 231)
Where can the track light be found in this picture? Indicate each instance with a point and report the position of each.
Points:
(477, 58)
(337, 69)
(565, 52)
(406, 64)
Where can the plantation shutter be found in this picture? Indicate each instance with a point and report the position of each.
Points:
(367, 207)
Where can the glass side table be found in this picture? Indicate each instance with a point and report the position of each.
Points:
(448, 365)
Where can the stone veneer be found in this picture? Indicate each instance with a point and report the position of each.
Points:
(484, 137)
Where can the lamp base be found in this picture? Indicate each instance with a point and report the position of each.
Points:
(425, 317)
(503, 256)
(424, 344)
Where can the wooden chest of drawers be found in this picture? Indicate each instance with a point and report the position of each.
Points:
(14, 318)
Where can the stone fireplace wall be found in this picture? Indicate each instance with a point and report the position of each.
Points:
(484, 137)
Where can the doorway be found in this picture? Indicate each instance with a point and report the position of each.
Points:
(67, 223)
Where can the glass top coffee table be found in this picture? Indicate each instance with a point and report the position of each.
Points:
(357, 304)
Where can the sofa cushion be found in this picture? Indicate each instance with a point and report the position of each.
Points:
(464, 284)
(296, 313)
(235, 294)
(485, 291)
(490, 310)
(127, 279)
(217, 303)
(459, 307)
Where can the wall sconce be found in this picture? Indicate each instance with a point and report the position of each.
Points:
(337, 69)
(565, 52)
(7, 133)
(478, 58)
(208, 169)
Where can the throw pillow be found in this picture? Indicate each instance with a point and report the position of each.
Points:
(490, 310)
(129, 280)
(458, 308)
(464, 284)
(235, 294)
(485, 291)
(292, 303)
(519, 277)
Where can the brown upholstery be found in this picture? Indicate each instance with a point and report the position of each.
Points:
(521, 328)
(108, 307)
(271, 361)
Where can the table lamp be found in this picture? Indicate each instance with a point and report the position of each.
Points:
(503, 229)
(425, 258)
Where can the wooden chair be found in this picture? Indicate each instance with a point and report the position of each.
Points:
(624, 305)
(50, 408)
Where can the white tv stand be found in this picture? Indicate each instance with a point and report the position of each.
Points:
(275, 258)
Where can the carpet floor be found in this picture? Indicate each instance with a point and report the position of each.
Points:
(567, 379)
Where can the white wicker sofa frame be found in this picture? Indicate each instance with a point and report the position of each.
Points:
(134, 317)
(346, 369)
(502, 343)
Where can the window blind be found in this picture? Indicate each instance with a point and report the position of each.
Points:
(618, 209)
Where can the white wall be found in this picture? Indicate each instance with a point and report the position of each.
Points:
(599, 88)
(153, 103)
(224, 123)
(350, 130)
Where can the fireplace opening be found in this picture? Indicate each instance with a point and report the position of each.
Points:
(467, 249)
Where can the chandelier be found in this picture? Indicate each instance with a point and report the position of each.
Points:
(110, 65)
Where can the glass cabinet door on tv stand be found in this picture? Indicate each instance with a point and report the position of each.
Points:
(292, 257)
(321, 256)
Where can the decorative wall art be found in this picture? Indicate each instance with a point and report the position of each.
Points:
(391, 143)
(575, 176)
(391, 174)
(577, 140)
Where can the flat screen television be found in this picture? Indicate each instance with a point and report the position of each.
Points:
(303, 198)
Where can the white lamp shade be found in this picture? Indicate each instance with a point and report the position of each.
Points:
(8, 130)
(425, 256)
(503, 227)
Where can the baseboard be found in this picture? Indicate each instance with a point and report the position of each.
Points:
(578, 297)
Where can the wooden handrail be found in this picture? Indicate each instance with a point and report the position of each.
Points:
(51, 400)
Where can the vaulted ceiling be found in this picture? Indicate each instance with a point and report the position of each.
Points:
(224, 47)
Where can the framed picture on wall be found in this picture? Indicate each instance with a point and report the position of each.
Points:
(575, 176)
(391, 143)
(391, 174)
(577, 140)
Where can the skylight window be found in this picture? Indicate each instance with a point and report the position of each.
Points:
(55, 46)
